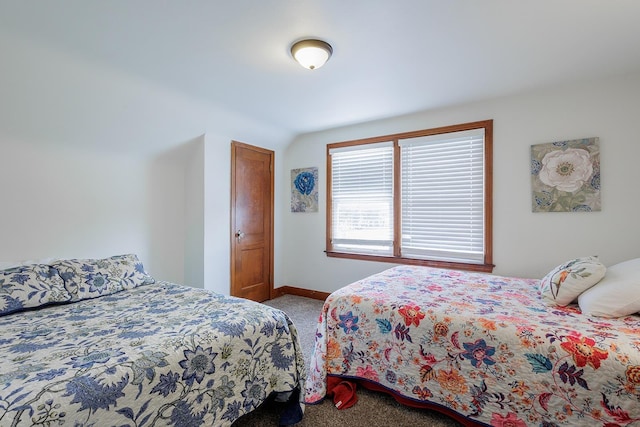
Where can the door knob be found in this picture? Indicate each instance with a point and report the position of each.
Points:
(239, 234)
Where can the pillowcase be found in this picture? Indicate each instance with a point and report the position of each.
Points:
(617, 295)
(563, 284)
(90, 278)
(30, 286)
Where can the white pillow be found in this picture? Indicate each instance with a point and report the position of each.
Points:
(563, 284)
(617, 295)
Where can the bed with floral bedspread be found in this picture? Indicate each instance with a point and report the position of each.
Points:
(100, 343)
(482, 348)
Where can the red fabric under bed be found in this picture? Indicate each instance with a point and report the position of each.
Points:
(343, 392)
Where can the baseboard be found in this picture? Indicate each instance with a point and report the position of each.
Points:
(308, 293)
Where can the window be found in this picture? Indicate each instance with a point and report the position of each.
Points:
(421, 197)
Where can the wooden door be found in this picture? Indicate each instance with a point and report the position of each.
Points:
(251, 222)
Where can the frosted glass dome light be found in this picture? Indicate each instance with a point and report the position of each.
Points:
(311, 54)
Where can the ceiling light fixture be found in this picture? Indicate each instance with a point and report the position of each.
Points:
(311, 53)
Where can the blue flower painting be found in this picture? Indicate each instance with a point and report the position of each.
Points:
(304, 190)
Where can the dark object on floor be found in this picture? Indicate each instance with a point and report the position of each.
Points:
(292, 413)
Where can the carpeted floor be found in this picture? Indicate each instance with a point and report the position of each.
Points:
(372, 410)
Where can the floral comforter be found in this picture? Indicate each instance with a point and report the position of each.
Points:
(482, 347)
(156, 355)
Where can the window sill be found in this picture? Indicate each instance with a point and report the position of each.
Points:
(483, 268)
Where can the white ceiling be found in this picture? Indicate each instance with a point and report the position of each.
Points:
(390, 57)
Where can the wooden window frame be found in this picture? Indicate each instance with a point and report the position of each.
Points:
(487, 265)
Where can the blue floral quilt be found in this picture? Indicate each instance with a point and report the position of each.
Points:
(155, 355)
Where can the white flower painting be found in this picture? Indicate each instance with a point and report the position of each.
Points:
(565, 176)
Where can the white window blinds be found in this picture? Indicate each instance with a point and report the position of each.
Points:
(362, 198)
(442, 196)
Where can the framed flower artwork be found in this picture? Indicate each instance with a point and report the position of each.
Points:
(304, 190)
(565, 176)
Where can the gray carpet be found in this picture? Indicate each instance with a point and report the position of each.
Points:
(372, 410)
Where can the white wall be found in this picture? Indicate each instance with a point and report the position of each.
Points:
(525, 244)
(194, 261)
(96, 162)
(217, 209)
(71, 203)
(172, 209)
(166, 224)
